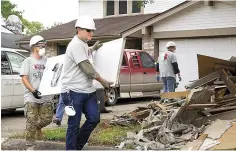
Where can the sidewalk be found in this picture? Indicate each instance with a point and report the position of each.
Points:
(19, 144)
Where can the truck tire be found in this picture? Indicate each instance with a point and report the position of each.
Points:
(113, 97)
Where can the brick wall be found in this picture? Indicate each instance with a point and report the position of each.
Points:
(51, 49)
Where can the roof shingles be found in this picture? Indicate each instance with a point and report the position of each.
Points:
(111, 26)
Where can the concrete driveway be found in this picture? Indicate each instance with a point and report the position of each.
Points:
(15, 122)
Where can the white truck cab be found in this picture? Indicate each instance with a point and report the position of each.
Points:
(12, 89)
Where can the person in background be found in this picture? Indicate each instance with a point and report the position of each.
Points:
(38, 110)
(167, 68)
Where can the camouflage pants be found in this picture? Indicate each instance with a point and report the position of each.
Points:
(37, 117)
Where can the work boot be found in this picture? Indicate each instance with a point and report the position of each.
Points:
(56, 121)
(30, 148)
(39, 134)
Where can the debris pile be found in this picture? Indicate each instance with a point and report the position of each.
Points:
(171, 122)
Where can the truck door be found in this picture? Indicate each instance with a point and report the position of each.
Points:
(18, 88)
(6, 82)
(150, 83)
(124, 79)
(136, 75)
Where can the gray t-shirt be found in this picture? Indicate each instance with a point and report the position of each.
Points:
(73, 78)
(34, 68)
(165, 64)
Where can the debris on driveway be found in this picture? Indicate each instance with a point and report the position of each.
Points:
(168, 124)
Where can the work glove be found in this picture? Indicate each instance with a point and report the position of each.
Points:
(180, 79)
(158, 77)
(106, 84)
(36, 94)
(97, 45)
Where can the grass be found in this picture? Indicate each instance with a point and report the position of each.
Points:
(104, 134)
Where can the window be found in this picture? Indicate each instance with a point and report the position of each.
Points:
(147, 60)
(123, 7)
(5, 66)
(135, 7)
(124, 62)
(110, 7)
(62, 49)
(16, 61)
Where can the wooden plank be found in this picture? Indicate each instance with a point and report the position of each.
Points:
(194, 106)
(173, 95)
(225, 98)
(140, 114)
(221, 109)
(229, 83)
(205, 80)
(157, 106)
(206, 64)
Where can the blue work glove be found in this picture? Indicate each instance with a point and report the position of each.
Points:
(158, 77)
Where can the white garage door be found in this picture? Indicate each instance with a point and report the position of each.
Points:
(187, 50)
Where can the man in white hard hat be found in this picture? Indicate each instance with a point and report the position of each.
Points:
(38, 110)
(167, 67)
(77, 85)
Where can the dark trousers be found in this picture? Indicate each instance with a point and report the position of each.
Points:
(86, 103)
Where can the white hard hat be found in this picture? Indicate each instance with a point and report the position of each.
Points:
(35, 39)
(170, 44)
(85, 22)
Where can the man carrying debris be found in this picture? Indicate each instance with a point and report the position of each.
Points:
(167, 67)
(77, 86)
(38, 110)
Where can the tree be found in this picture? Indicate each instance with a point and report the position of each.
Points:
(7, 8)
(145, 2)
(54, 25)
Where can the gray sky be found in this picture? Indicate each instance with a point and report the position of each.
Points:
(48, 11)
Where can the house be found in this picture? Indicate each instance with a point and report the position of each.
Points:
(111, 18)
(198, 27)
(112, 8)
(8, 39)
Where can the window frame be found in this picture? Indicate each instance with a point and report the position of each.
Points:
(11, 72)
(9, 52)
(108, 7)
(143, 65)
(126, 7)
(140, 10)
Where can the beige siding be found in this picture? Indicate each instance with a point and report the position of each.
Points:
(161, 5)
(51, 49)
(93, 8)
(200, 16)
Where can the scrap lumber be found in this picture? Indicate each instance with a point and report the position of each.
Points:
(221, 109)
(225, 74)
(226, 97)
(206, 65)
(174, 95)
(140, 114)
(205, 80)
(157, 106)
(193, 106)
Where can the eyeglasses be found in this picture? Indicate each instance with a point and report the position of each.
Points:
(88, 30)
(41, 45)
